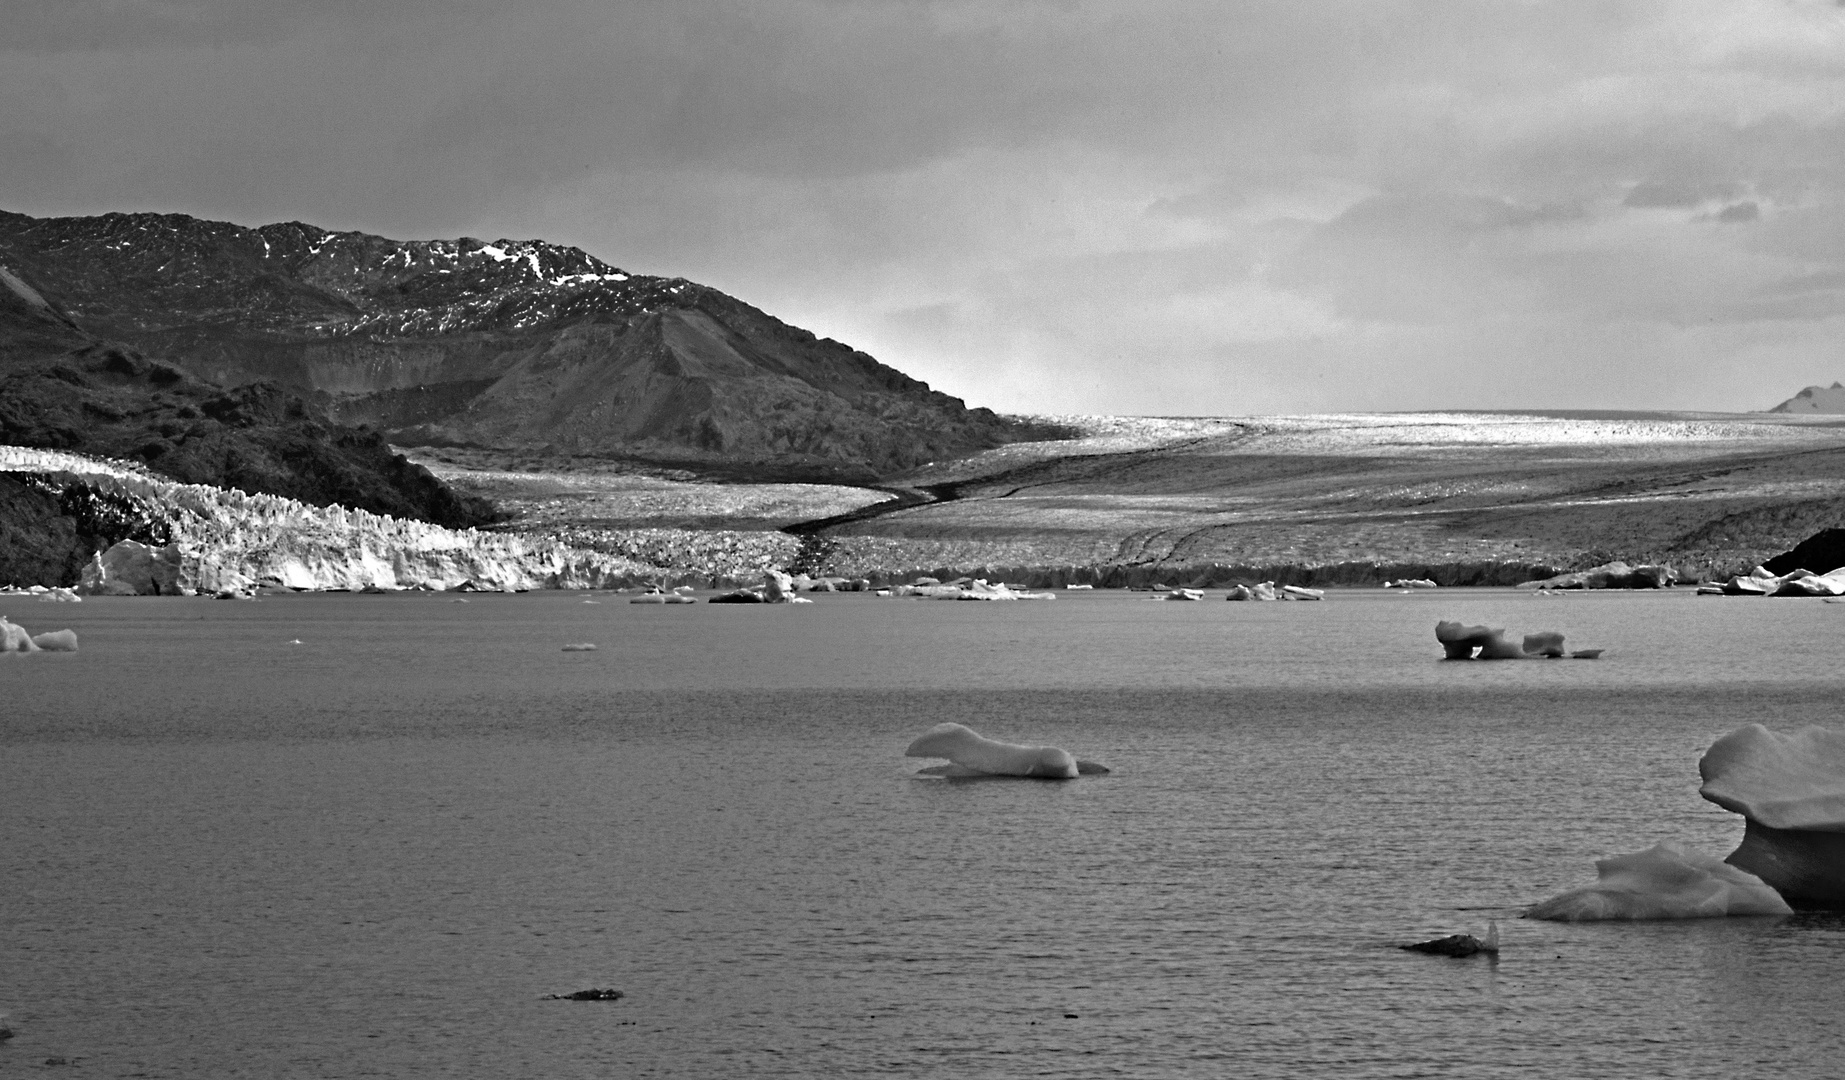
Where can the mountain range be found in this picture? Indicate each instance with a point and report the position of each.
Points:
(1815, 399)
(508, 345)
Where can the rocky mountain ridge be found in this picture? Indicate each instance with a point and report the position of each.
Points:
(1815, 399)
(63, 388)
(515, 345)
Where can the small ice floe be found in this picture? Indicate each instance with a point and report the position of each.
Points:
(970, 754)
(1666, 881)
(1182, 594)
(581, 646)
(1076, 588)
(296, 641)
(1459, 945)
(1460, 642)
(1410, 583)
(13, 638)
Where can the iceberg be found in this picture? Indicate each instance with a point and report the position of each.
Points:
(13, 638)
(1763, 582)
(1459, 642)
(966, 589)
(975, 755)
(57, 641)
(1790, 790)
(1665, 881)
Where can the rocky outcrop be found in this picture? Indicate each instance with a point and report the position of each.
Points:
(1790, 790)
(1815, 399)
(509, 344)
(62, 388)
(1821, 553)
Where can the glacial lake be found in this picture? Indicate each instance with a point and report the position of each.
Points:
(364, 836)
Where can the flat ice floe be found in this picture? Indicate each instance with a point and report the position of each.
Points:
(971, 754)
(1666, 881)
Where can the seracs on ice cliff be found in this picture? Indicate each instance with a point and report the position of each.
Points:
(226, 540)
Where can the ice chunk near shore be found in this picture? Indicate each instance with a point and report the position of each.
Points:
(1790, 790)
(778, 588)
(975, 755)
(1665, 881)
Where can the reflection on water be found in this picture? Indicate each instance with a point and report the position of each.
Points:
(374, 852)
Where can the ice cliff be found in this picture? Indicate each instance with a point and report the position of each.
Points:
(229, 541)
(1790, 790)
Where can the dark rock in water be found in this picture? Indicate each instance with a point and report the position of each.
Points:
(1091, 768)
(1452, 945)
(1822, 553)
(588, 995)
(741, 596)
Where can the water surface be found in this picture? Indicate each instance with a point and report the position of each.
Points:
(372, 852)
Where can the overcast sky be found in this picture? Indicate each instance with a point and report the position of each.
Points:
(1136, 207)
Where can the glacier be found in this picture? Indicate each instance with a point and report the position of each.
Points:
(226, 542)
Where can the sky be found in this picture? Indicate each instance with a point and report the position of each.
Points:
(1203, 208)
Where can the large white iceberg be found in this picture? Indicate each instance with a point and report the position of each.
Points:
(976, 755)
(1790, 790)
(1665, 881)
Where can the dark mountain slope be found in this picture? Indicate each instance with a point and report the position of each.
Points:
(515, 345)
(63, 389)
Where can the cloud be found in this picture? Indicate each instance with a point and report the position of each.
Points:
(1349, 204)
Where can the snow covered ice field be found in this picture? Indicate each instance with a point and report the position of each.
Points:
(373, 852)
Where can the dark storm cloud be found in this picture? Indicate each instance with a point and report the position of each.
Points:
(1039, 205)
